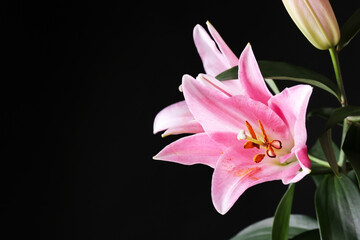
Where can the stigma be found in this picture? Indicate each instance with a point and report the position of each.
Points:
(253, 141)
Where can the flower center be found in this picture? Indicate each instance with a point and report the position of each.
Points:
(252, 142)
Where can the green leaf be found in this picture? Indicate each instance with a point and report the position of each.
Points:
(326, 145)
(323, 113)
(272, 85)
(349, 30)
(339, 114)
(337, 204)
(286, 71)
(262, 230)
(230, 74)
(282, 215)
(352, 149)
(352, 175)
(308, 235)
(317, 151)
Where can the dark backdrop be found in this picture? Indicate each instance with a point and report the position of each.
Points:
(81, 85)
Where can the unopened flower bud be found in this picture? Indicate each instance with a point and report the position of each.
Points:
(316, 20)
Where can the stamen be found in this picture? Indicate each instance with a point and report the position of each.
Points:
(241, 135)
(258, 157)
(254, 142)
(266, 140)
(251, 130)
(250, 144)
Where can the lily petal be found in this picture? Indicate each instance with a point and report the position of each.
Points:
(229, 55)
(213, 60)
(300, 170)
(235, 172)
(291, 105)
(251, 78)
(177, 119)
(219, 113)
(230, 87)
(197, 148)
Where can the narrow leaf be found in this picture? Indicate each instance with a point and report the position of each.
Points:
(308, 235)
(326, 145)
(272, 85)
(282, 215)
(349, 30)
(339, 114)
(230, 74)
(323, 113)
(352, 149)
(262, 230)
(337, 204)
(286, 71)
(317, 151)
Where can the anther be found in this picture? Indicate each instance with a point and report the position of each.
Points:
(254, 142)
(258, 157)
(241, 135)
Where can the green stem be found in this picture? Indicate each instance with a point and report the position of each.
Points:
(339, 80)
(319, 161)
(343, 100)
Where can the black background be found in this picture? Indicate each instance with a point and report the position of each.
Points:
(81, 85)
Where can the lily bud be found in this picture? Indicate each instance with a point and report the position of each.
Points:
(316, 20)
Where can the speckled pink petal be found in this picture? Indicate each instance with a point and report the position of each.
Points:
(235, 172)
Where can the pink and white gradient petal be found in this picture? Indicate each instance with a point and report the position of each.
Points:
(214, 61)
(291, 105)
(229, 55)
(251, 78)
(175, 119)
(194, 149)
(217, 112)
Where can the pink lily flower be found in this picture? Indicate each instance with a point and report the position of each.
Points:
(177, 118)
(248, 139)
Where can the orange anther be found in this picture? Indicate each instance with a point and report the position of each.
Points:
(250, 144)
(266, 140)
(258, 157)
(251, 130)
(254, 142)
